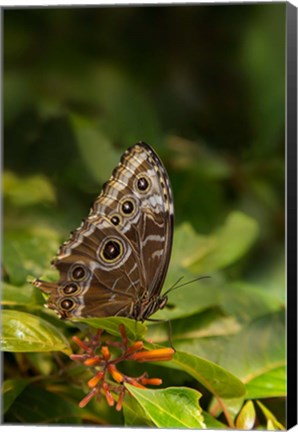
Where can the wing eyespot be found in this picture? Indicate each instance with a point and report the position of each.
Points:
(111, 251)
(116, 219)
(128, 207)
(78, 272)
(142, 183)
(70, 288)
(67, 304)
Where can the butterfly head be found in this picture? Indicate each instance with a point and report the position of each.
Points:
(144, 309)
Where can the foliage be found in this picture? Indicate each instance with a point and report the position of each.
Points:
(80, 86)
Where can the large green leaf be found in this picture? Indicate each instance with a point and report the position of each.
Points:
(39, 406)
(246, 301)
(212, 423)
(205, 254)
(189, 331)
(190, 299)
(23, 332)
(257, 353)
(225, 246)
(134, 329)
(27, 252)
(27, 191)
(174, 407)
(11, 389)
(217, 380)
(272, 383)
(26, 295)
(92, 144)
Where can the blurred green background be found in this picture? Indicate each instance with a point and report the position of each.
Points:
(203, 85)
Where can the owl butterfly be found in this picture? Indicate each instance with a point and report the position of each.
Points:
(115, 263)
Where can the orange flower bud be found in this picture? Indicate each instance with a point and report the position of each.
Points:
(134, 382)
(161, 354)
(88, 398)
(82, 344)
(78, 357)
(135, 347)
(105, 352)
(120, 401)
(123, 333)
(107, 394)
(92, 361)
(95, 380)
(118, 377)
(151, 381)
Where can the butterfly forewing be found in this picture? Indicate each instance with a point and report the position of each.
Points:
(116, 262)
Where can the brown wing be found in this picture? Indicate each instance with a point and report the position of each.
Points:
(150, 226)
(121, 252)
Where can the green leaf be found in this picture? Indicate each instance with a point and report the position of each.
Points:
(271, 419)
(247, 301)
(270, 276)
(39, 406)
(27, 191)
(134, 329)
(270, 384)
(212, 423)
(256, 351)
(225, 246)
(11, 389)
(92, 144)
(13, 263)
(190, 299)
(255, 354)
(217, 380)
(28, 252)
(22, 332)
(134, 413)
(247, 416)
(189, 331)
(174, 407)
(20, 295)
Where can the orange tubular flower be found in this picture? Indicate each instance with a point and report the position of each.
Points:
(105, 352)
(93, 361)
(95, 380)
(135, 347)
(101, 361)
(108, 394)
(118, 377)
(134, 382)
(120, 401)
(81, 344)
(161, 354)
(151, 381)
(123, 334)
(88, 398)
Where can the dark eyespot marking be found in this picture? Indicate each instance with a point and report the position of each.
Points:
(127, 207)
(78, 273)
(115, 220)
(142, 184)
(70, 288)
(67, 304)
(112, 249)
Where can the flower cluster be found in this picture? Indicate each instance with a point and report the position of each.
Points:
(97, 356)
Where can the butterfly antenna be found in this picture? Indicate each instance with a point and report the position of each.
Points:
(176, 286)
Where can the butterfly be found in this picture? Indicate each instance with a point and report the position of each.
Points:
(116, 262)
